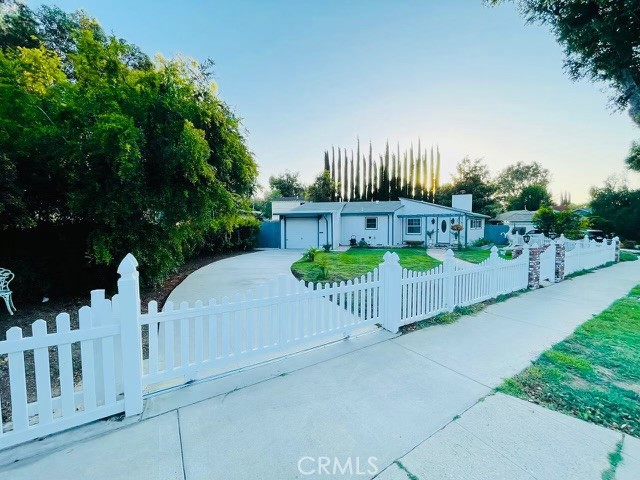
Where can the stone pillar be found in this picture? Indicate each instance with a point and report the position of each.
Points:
(560, 252)
(616, 241)
(534, 266)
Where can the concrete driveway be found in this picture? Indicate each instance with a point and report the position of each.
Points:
(235, 275)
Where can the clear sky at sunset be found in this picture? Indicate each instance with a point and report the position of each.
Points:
(308, 75)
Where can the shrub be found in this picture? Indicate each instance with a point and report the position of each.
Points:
(310, 254)
(327, 247)
(363, 243)
(232, 233)
(628, 244)
(481, 242)
(414, 243)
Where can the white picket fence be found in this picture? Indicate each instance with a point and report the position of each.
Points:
(426, 294)
(586, 254)
(122, 354)
(280, 317)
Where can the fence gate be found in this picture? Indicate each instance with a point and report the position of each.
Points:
(548, 263)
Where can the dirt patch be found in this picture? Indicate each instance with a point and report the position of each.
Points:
(29, 313)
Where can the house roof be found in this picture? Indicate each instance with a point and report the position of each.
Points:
(314, 208)
(457, 210)
(516, 216)
(370, 208)
(288, 199)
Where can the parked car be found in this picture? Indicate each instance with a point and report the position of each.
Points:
(597, 235)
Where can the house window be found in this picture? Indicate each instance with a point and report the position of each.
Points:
(371, 223)
(475, 223)
(414, 227)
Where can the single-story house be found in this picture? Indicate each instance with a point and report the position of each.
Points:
(284, 204)
(392, 223)
(520, 220)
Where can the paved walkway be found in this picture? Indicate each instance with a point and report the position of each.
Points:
(234, 275)
(391, 404)
(439, 254)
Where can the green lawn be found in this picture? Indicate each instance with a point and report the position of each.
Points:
(473, 256)
(356, 262)
(628, 257)
(476, 255)
(595, 373)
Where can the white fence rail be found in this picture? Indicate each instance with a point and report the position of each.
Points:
(587, 254)
(79, 395)
(279, 317)
(426, 294)
(116, 353)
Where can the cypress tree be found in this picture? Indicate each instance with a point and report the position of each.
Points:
(333, 174)
(433, 179)
(374, 188)
(405, 176)
(392, 178)
(418, 191)
(339, 176)
(358, 189)
(385, 173)
(411, 173)
(437, 183)
(346, 177)
(352, 195)
(425, 177)
(327, 167)
(371, 174)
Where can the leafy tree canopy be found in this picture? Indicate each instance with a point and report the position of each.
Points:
(474, 177)
(287, 184)
(93, 133)
(601, 41)
(616, 209)
(532, 197)
(515, 178)
(322, 189)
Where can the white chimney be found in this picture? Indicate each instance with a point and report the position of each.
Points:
(462, 202)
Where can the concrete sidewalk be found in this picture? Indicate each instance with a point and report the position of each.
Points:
(412, 398)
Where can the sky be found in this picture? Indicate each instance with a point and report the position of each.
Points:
(305, 76)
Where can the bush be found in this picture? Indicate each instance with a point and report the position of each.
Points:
(628, 244)
(481, 242)
(414, 243)
(327, 247)
(363, 243)
(310, 254)
(232, 234)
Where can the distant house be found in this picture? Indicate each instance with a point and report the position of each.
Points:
(518, 219)
(392, 223)
(284, 204)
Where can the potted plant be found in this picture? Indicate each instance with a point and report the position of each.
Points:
(457, 228)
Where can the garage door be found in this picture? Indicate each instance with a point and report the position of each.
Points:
(302, 232)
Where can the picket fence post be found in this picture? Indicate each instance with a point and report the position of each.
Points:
(127, 307)
(449, 268)
(616, 249)
(391, 291)
(493, 272)
(561, 252)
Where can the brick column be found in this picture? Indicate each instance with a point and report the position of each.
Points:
(560, 252)
(534, 266)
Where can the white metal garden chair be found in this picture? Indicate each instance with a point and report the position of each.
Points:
(5, 277)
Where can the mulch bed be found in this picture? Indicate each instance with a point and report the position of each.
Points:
(47, 311)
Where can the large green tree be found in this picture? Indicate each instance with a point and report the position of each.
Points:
(601, 41)
(322, 189)
(287, 184)
(114, 152)
(515, 178)
(616, 208)
(532, 197)
(474, 177)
